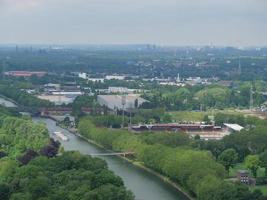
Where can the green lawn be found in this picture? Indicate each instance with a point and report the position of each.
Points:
(179, 116)
(193, 116)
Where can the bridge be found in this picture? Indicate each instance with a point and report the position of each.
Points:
(124, 154)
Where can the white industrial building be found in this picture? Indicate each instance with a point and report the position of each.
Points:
(119, 102)
(82, 75)
(115, 77)
(118, 90)
(232, 127)
(101, 80)
(57, 99)
(68, 93)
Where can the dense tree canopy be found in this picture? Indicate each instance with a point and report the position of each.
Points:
(30, 168)
(228, 158)
(67, 177)
(18, 135)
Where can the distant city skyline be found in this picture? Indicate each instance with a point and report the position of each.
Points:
(168, 22)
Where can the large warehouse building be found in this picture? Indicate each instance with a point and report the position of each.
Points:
(118, 102)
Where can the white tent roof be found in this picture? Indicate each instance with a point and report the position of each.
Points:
(235, 127)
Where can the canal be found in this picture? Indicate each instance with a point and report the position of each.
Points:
(144, 185)
(7, 103)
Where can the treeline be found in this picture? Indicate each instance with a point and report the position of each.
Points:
(140, 61)
(246, 142)
(135, 117)
(196, 171)
(236, 118)
(30, 169)
(248, 148)
(204, 97)
(22, 97)
(9, 111)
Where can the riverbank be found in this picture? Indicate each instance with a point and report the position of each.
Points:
(8, 99)
(10, 102)
(140, 165)
(142, 183)
(137, 164)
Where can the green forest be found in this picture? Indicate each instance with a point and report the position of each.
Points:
(206, 97)
(31, 169)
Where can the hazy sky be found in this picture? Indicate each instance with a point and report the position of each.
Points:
(171, 22)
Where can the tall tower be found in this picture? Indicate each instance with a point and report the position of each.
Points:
(178, 78)
(239, 67)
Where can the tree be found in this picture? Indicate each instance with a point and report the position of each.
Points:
(136, 103)
(50, 150)
(4, 191)
(39, 187)
(27, 157)
(166, 118)
(66, 121)
(211, 188)
(263, 159)
(228, 158)
(252, 162)
(68, 176)
(197, 137)
(109, 192)
(206, 119)
(19, 196)
(2, 154)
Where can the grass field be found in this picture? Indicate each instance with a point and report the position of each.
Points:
(194, 116)
(180, 116)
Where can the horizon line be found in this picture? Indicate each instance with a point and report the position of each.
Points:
(131, 44)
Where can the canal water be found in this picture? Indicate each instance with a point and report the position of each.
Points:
(144, 185)
(7, 103)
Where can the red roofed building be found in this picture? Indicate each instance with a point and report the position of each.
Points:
(25, 73)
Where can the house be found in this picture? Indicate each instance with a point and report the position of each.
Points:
(244, 177)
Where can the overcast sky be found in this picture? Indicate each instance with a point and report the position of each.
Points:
(169, 22)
